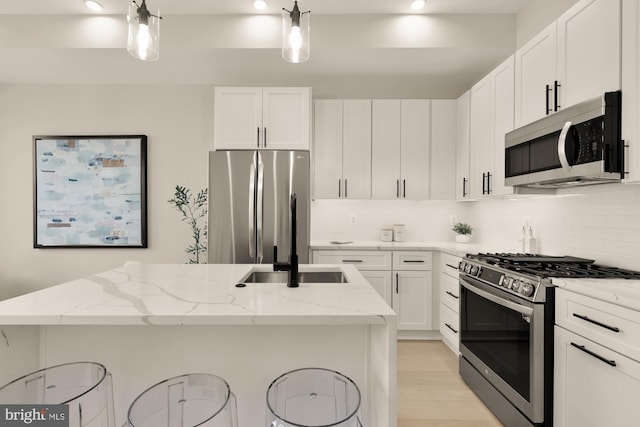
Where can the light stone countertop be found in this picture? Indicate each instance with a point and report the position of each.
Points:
(625, 293)
(452, 248)
(200, 294)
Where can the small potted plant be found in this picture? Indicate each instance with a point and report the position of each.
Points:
(463, 232)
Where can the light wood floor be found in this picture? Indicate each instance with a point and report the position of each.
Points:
(430, 391)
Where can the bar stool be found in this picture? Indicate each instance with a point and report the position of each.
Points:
(185, 401)
(313, 397)
(85, 386)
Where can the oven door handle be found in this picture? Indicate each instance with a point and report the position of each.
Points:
(494, 298)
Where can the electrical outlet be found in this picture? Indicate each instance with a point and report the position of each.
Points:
(353, 219)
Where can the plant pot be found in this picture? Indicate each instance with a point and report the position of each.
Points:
(463, 238)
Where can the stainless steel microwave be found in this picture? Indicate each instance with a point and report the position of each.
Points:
(579, 145)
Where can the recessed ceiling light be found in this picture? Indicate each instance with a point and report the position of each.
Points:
(93, 5)
(260, 4)
(417, 4)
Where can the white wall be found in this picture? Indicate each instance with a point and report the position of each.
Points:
(600, 222)
(178, 121)
(424, 220)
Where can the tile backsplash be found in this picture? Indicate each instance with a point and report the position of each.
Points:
(600, 222)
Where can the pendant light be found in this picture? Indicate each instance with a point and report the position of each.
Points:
(144, 32)
(295, 34)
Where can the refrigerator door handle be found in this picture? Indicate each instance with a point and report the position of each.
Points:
(252, 210)
(259, 209)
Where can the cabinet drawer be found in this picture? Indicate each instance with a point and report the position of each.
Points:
(450, 326)
(449, 264)
(604, 323)
(362, 260)
(412, 260)
(450, 292)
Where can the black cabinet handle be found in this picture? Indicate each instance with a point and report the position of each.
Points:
(396, 283)
(413, 260)
(345, 187)
(488, 182)
(452, 266)
(464, 187)
(484, 188)
(397, 188)
(352, 260)
(595, 322)
(258, 140)
(404, 188)
(546, 97)
(339, 188)
(450, 327)
(591, 353)
(453, 295)
(556, 85)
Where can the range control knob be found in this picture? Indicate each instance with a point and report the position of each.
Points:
(475, 270)
(515, 285)
(527, 289)
(467, 268)
(507, 282)
(461, 265)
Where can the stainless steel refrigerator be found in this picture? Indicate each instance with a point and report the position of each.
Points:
(249, 205)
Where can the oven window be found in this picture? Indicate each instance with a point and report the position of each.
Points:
(499, 336)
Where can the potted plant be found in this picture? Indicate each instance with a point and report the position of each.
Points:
(463, 232)
(194, 212)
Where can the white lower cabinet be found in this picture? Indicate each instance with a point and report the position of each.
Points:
(381, 281)
(596, 362)
(450, 301)
(412, 299)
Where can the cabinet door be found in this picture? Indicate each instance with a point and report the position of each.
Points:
(385, 149)
(535, 64)
(286, 118)
(237, 118)
(412, 300)
(462, 146)
(589, 50)
(381, 281)
(631, 84)
(481, 144)
(588, 391)
(415, 149)
(503, 101)
(443, 149)
(327, 149)
(356, 148)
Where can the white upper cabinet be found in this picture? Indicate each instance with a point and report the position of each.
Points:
(342, 149)
(262, 118)
(462, 146)
(491, 117)
(575, 58)
(443, 149)
(401, 149)
(631, 88)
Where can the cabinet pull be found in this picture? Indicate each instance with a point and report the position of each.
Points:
(556, 85)
(488, 182)
(345, 187)
(453, 295)
(352, 260)
(595, 322)
(591, 353)
(546, 98)
(339, 188)
(396, 283)
(413, 260)
(258, 140)
(464, 187)
(397, 188)
(450, 327)
(404, 188)
(452, 266)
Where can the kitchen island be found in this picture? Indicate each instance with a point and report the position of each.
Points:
(148, 322)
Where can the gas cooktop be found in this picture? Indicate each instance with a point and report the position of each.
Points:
(545, 266)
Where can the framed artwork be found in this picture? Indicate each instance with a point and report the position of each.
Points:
(90, 191)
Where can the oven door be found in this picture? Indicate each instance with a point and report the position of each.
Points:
(503, 339)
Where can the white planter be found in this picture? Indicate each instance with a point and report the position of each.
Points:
(463, 238)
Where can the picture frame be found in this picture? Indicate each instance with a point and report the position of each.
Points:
(90, 191)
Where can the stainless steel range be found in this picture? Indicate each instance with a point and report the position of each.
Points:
(506, 329)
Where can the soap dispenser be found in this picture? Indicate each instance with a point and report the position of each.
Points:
(529, 241)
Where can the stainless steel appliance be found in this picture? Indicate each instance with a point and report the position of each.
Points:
(506, 329)
(249, 205)
(579, 145)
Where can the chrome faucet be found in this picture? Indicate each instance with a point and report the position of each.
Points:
(292, 265)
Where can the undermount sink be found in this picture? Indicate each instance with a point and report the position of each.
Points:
(303, 277)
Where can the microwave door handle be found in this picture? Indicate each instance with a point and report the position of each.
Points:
(562, 142)
(498, 300)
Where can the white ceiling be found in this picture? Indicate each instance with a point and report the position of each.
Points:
(377, 53)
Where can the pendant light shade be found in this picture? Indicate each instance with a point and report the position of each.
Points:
(295, 34)
(144, 32)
